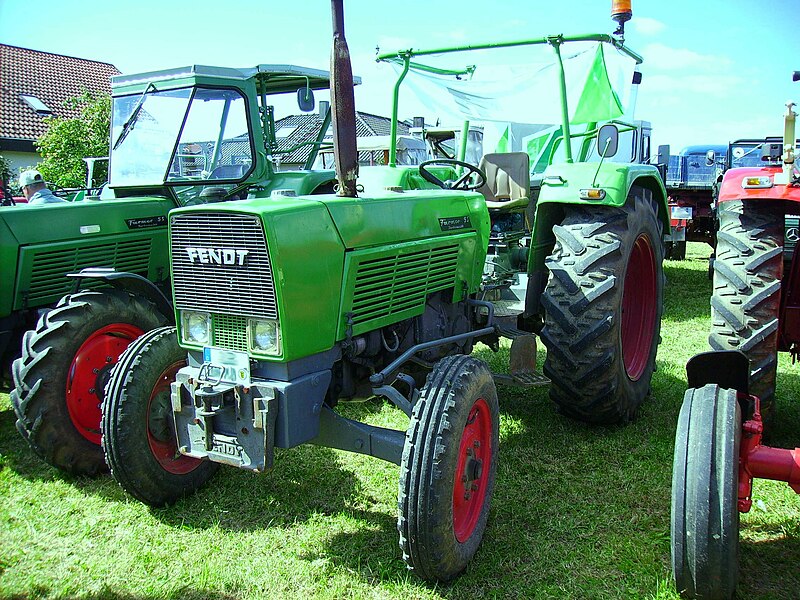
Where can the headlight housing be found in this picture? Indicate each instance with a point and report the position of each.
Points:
(195, 328)
(265, 336)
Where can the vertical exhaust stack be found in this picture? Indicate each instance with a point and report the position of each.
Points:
(343, 107)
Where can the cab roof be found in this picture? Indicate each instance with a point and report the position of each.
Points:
(270, 79)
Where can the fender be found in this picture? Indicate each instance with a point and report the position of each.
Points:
(731, 187)
(129, 282)
(561, 185)
(729, 369)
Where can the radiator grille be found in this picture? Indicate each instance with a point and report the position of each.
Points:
(231, 289)
(390, 285)
(47, 273)
(229, 332)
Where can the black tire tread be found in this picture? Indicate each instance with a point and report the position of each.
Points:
(705, 517)
(425, 537)
(745, 302)
(582, 323)
(40, 373)
(124, 424)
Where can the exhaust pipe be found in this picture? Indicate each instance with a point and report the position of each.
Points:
(343, 107)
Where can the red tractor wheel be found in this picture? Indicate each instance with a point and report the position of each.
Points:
(603, 304)
(59, 380)
(138, 431)
(448, 468)
(705, 479)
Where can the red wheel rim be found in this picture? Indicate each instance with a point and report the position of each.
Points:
(88, 374)
(160, 434)
(639, 308)
(472, 471)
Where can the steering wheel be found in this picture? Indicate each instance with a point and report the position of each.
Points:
(462, 183)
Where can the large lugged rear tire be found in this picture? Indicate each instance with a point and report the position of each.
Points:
(138, 431)
(65, 363)
(603, 304)
(705, 478)
(745, 302)
(448, 468)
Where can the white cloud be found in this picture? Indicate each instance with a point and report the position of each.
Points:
(666, 58)
(647, 26)
(682, 89)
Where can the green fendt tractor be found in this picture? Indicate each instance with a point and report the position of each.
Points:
(288, 305)
(190, 136)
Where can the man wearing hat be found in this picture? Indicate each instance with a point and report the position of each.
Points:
(32, 184)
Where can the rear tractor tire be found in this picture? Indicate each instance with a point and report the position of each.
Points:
(138, 431)
(448, 468)
(745, 301)
(603, 305)
(705, 478)
(65, 364)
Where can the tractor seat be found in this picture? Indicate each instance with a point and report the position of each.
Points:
(508, 182)
(228, 172)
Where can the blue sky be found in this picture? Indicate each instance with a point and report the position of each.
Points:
(714, 70)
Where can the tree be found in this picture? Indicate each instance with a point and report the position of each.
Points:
(68, 140)
(5, 179)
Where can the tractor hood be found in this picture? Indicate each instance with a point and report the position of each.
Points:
(383, 218)
(734, 186)
(40, 244)
(306, 261)
(68, 220)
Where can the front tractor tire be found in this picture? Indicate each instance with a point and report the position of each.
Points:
(704, 524)
(65, 364)
(745, 301)
(448, 468)
(603, 305)
(138, 430)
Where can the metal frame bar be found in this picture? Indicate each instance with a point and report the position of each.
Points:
(555, 41)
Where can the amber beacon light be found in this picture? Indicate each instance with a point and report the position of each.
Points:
(621, 12)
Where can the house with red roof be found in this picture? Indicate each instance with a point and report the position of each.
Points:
(35, 85)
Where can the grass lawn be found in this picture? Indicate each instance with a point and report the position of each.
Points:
(579, 512)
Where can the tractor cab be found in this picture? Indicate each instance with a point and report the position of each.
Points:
(511, 98)
(204, 134)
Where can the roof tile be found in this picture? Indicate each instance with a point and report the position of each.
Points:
(53, 78)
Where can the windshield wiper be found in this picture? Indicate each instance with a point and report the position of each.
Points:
(128, 125)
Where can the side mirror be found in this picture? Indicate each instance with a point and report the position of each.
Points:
(663, 155)
(607, 140)
(305, 99)
(711, 156)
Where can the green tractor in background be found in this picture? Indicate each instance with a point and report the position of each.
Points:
(190, 136)
(287, 305)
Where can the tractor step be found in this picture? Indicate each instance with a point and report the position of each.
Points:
(507, 308)
(525, 380)
(510, 331)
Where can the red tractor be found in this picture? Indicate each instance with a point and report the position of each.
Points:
(755, 312)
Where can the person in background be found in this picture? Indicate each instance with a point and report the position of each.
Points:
(35, 190)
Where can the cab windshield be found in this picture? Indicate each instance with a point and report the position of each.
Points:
(183, 137)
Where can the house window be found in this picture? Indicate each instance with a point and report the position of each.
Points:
(40, 107)
(285, 131)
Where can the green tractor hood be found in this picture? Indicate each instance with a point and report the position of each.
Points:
(336, 266)
(39, 242)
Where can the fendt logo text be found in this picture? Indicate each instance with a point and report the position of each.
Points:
(218, 256)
